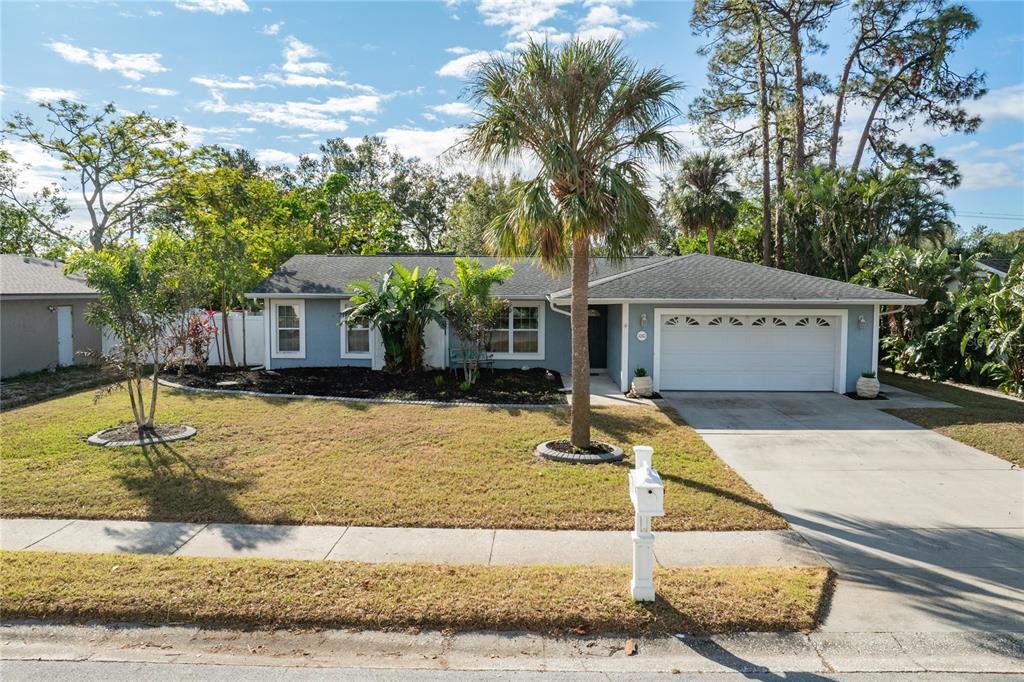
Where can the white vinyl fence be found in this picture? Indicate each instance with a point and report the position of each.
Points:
(247, 339)
(245, 330)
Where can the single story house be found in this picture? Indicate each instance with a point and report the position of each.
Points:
(694, 322)
(42, 316)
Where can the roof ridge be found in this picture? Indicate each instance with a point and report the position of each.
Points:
(620, 275)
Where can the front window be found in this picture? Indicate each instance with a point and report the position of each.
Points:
(356, 335)
(516, 332)
(288, 328)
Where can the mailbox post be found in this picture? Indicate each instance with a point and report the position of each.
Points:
(647, 493)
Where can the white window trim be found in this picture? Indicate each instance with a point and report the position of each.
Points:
(361, 355)
(843, 314)
(539, 355)
(300, 308)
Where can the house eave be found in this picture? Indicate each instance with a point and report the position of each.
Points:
(39, 297)
(751, 301)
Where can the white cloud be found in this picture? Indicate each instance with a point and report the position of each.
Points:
(318, 116)
(453, 109)
(156, 92)
(225, 83)
(275, 157)
(424, 144)
(50, 94)
(300, 81)
(214, 6)
(458, 50)
(296, 52)
(1001, 104)
(606, 22)
(989, 175)
(196, 135)
(272, 29)
(361, 119)
(430, 117)
(542, 34)
(462, 66)
(153, 12)
(600, 33)
(133, 66)
(519, 15)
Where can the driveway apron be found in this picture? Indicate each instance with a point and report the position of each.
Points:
(925, 533)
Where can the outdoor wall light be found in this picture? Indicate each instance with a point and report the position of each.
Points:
(51, 308)
(861, 322)
(643, 320)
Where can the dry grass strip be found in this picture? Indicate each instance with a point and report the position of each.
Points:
(273, 593)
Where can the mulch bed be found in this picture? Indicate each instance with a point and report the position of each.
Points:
(505, 386)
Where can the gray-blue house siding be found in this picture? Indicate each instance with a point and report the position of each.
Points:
(629, 300)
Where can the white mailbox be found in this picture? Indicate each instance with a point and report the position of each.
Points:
(648, 495)
(647, 492)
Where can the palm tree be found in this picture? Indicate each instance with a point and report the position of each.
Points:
(590, 118)
(701, 198)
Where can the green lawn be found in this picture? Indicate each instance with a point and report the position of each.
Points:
(316, 462)
(995, 425)
(268, 593)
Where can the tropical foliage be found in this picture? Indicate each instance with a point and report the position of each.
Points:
(969, 329)
(399, 304)
(592, 119)
(471, 310)
(700, 198)
(837, 216)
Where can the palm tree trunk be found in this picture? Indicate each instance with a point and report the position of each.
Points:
(711, 241)
(580, 413)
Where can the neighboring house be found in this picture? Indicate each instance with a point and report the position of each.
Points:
(993, 266)
(42, 315)
(693, 322)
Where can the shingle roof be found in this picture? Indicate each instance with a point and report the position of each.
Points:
(29, 276)
(692, 278)
(697, 278)
(1000, 264)
(332, 274)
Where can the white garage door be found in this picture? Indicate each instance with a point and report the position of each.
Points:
(747, 352)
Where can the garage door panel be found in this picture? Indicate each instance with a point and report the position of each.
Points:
(769, 351)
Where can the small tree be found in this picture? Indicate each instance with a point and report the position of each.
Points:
(139, 304)
(471, 310)
(400, 305)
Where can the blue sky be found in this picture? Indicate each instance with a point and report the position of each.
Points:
(279, 78)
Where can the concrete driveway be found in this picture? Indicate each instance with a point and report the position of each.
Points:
(925, 533)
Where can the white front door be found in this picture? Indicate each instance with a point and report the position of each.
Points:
(749, 351)
(65, 336)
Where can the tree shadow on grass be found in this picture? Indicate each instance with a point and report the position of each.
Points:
(175, 490)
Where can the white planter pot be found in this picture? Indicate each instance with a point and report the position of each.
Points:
(868, 388)
(643, 386)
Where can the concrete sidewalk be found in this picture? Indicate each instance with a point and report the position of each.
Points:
(376, 545)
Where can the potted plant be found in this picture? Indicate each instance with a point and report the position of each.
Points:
(643, 385)
(868, 386)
